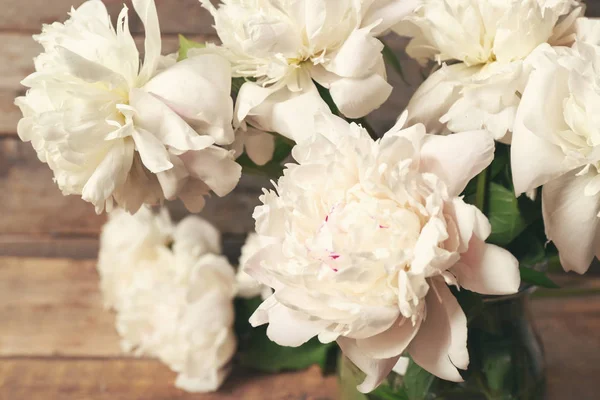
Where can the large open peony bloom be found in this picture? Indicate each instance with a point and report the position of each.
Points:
(367, 236)
(556, 144)
(172, 292)
(282, 46)
(115, 131)
(492, 40)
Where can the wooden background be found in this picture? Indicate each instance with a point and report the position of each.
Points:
(56, 342)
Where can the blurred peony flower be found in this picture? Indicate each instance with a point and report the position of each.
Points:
(366, 237)
(282, 46)
(115, 131)
(172, 293)
(491, 39)
(248, 287)
(556, 144)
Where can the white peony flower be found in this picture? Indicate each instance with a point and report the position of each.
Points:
(172, 293)
(367, 236)
(492, 40)
(113, 130)
(281, 46)
(248, 287)
(556, 144)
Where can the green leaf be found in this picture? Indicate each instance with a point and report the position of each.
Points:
(501, 160)
(264, 355)
(504, 215)
(417, 382)
(388, 393)
(283, 148)
(498, 367)
(533, 277)
(236, 85)
(185, 45)
(390, 57)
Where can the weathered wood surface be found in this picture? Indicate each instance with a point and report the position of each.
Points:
(131, 379)
(57, 342)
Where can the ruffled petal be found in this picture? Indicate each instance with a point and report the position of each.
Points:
(392, 342)
(146, 9)
(384, 14)
(571, 220)
(110, 174)
(357, 56)
(286, 327)
(155, 116)
(457, 158)
(259, 146)
(375, 369)
(440, 346)
(487, 269)
(198, 89)
(356, 98)
(153, 153)
(215, 167)
(535, 159)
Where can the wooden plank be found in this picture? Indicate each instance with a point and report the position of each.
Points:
(182, 16)
(43, 379)
(33, 206)
(569, 328)
(53, 308)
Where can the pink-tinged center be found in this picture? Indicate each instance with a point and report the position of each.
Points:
(383, 227)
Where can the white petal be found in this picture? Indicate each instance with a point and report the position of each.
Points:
(387, 13)
(588, 30)
(358, 55)
(435, 96)
(356, 98)
(172, 180)
(215, 167)
(259, 146)
(375, 369)
(155, 116)
(401, 366)
(283, 111)
(286, 327)
(87, 70)
(571, 220)
(487, 269)
(153, 153)
(146, 9)
(193, 194)
(440, 346)
(535, 159)
(110, 174)
(392, 342)
(198, 89)
(457, 158)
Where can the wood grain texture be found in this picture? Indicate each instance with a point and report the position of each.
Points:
(56, 338)
(53, 308)
(33, 205)
(130, 379)
(175, 16)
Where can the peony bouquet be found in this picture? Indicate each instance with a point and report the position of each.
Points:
(412, 251)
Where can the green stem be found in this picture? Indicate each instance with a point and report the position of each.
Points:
(481, 190)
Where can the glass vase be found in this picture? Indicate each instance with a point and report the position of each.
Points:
(506, 361)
